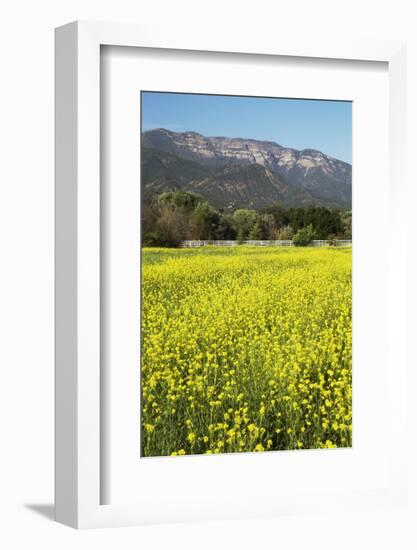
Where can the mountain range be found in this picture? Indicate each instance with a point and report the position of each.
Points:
(238, 172)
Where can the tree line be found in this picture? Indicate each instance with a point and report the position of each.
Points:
(172, 217)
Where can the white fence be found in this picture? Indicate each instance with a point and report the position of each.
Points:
(192, 244)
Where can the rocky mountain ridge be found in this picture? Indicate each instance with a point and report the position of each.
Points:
(323, 178)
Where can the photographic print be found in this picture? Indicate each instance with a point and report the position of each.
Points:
(246, 274)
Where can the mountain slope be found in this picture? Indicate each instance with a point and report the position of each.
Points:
(166, 172)
(325, 178)
(250, 186)
(232, 185)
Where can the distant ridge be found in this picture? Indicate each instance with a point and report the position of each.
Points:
(244, 172)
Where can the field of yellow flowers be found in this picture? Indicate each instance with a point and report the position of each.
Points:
(245, 349)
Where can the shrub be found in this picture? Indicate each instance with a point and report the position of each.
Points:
(160, 238)
(331, 240)
(284, 233)
(304, 236)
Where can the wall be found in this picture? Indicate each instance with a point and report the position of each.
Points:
(26, 301)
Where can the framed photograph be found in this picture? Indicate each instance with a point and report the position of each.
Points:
(230, 320)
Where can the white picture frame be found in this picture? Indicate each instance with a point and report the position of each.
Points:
(77, 241)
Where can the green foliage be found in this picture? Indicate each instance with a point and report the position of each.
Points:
(203, 221)
(331, 240)
(187, 202)
(257, 232)
(304, 236)
(171, 217)
(160, 238)
(284, 233)
(244, 220)
(280, 214)
(346, 221)
(323, 220)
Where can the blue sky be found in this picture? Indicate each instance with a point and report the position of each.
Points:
(297, 123)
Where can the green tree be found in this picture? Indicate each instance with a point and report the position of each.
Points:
(284, 233)
(263, 228)
(170, 217)
(181, 200)
(257, 231)
(346, 220)
(225, 229)
(203, 222)
(244, 221)
(279, 213)
(304, 236)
